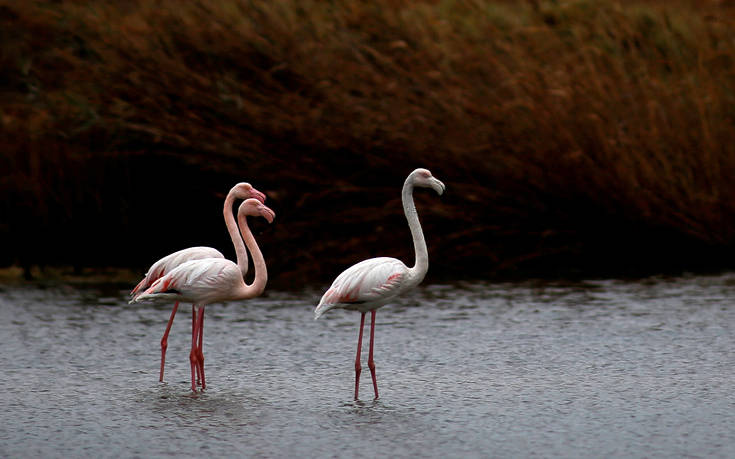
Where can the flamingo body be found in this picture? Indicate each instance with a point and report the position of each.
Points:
(204, 281)
(169, 262)
(367, 285)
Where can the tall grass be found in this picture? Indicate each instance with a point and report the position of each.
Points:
(571, 134)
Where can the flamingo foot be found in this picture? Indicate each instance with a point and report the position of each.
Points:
(371, 365)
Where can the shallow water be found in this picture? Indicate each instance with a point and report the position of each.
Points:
(597, 368)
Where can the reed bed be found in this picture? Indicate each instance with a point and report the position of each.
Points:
(587, 137)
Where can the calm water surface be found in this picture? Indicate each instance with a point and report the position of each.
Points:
(597, 368)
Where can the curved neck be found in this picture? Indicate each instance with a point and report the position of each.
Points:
(240, 251)
(261, 272)
(421, 265)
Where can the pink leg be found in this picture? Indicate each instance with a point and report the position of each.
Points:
(164, 340)
(193, 355)
(194, 335)
(371, 364)
(200, 353)
(358, 367)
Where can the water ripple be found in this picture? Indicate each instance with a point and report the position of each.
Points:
(621, 368)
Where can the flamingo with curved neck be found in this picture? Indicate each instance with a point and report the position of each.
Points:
(261, 270)
(372, 283)
(213, 280)
(242, 190)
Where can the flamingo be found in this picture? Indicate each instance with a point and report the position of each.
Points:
(213, 280)
(166, 264)
(372, 283)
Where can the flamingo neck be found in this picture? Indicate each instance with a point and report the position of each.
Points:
(240, 251)
(261, 272)
(421, 266)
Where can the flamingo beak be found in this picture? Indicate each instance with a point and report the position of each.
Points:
(267, 213)
(257, 195)
(438, 186)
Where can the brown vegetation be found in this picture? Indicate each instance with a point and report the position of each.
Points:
(572, 135)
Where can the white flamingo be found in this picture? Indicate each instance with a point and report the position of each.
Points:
(372, 283)
(213, 280)
(166, 264)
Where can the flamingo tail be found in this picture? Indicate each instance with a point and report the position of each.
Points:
(162, 289)
(141, 284)
(148, 296)
(321, 309)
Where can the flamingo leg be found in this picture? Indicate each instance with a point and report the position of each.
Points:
(194, 354)
(164, 340)
(200, 353)
(194, 337)
(358, 367)
(371, 363)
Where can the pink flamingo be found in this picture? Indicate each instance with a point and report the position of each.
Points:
(372, 283)
(168, 263)
(213, 280)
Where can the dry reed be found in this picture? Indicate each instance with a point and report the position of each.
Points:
(588, 135)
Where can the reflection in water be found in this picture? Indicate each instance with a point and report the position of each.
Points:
(620, 368)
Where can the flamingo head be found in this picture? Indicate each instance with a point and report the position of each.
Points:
(423, 178)
(253, 207)
(244, 190)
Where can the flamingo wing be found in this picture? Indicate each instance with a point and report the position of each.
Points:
(170, 262)
(198, 281)
(371, 281)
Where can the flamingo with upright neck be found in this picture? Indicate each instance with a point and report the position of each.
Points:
(214, 280)
(372, 283)
(241, 191)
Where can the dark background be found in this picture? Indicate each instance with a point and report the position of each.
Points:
(575, 138)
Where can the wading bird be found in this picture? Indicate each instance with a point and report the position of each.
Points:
(241, 191)
(213, 280)
(372, 283)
